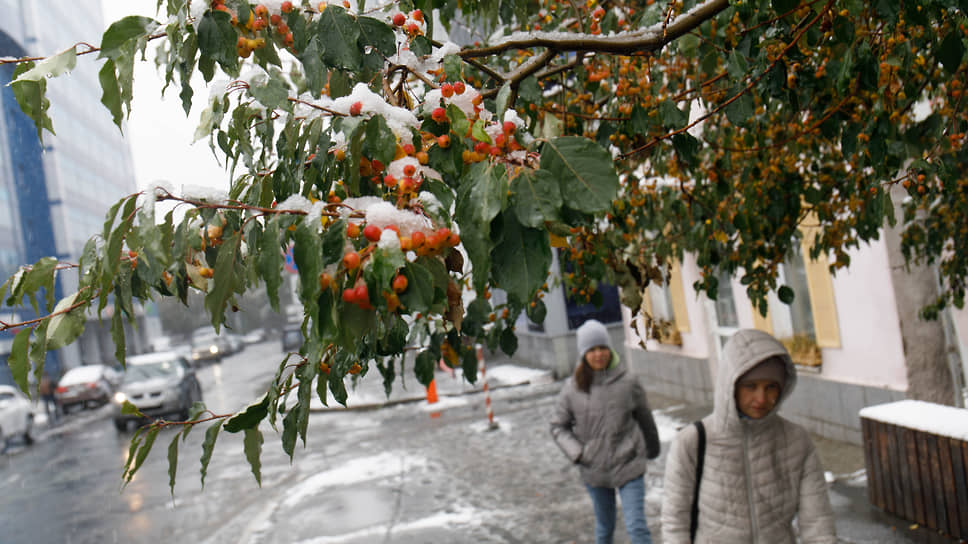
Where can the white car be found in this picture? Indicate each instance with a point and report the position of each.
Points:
(16, 416)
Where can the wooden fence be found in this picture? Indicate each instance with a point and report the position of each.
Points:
(914, 471)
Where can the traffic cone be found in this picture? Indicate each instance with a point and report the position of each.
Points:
(432, 398)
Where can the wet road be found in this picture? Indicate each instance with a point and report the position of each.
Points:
(67, 486)
(402, 474)
(406, 474)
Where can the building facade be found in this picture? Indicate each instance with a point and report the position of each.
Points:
(54, 193)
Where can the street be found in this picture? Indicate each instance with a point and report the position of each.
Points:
(407, 473)
(400, 474)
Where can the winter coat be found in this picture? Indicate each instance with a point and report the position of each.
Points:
(758, 473)
(609, 431)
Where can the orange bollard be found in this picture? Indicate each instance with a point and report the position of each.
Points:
(432, 392)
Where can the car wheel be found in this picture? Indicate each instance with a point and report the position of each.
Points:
(28, 437)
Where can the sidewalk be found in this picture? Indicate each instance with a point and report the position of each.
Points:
(369, 393)
(858, 522)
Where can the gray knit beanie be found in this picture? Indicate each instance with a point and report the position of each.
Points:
(592, 333)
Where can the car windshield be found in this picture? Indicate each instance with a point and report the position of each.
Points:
(148, 371)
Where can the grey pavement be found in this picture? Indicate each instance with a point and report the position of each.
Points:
(858, 522)
(400, 470)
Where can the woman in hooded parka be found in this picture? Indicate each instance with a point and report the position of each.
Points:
(760, 471)
(603, 424)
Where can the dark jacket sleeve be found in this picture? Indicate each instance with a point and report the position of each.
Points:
(643, 416)
(562, 427)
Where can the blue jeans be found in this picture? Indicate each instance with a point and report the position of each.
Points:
(633, 510)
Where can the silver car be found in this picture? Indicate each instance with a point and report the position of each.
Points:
(160, 385)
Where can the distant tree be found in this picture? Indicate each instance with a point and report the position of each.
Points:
(402, 170)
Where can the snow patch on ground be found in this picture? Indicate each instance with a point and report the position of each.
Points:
(354, 471)
(460, 516)
(514, 374)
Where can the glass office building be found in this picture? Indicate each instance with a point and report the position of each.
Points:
(54, 194)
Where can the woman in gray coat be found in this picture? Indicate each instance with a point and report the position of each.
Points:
(760, 471)
(602, 423)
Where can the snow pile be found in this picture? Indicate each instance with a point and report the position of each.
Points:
(355, 471)
(383, 214)
(922, 416)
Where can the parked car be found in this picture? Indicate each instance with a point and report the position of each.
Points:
(208, 346)
(254, 336)
(86, 386)
(16, 416)
(236, 344)
(160, 385)
(292, 338)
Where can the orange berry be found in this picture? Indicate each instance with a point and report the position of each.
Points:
(372, 233)
(351, 260)
(400, 283)
(352, 230)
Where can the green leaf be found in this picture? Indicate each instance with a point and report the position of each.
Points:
(65, 326)
(172, 463)
(783, 6)
(270, 262)
(211, 435)
(41, 275)
(338, 32)
(950, 51)
(249, 417)
(585, 172)
(121, 33)
(687, 147)
(217, 39)
(128, 409)
(737, 67)
(380, 140)
(478, 132)
(672, 116)
(18, 361)
(537, 198)
(521, 259)
(252, 443)
(224, 280)
(424, 367)
(377, 34)
(142, 454)
(117, 335)
(740, 111)
(508, 342)
(273, 94)
(290, 429)
(501, 102)
(537, 311)
(52, 66)
(31, 98)
(419, 296)
(785, 293)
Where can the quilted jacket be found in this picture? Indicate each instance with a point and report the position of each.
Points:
(608, 431)
(758, 475)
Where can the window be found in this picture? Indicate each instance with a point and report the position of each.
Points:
(809, 323)
(667, 305)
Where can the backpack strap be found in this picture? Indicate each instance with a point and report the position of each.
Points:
(694, 515)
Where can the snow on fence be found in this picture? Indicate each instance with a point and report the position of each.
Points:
(917, 463)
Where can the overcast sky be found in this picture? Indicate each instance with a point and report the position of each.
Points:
(159, 133)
